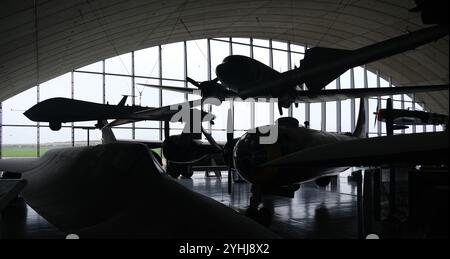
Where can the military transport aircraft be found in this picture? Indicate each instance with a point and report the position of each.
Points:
(244, 77)
(59, 110)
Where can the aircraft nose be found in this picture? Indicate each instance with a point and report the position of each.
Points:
(30, 113)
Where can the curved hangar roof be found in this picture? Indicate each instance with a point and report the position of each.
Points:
(71, 34)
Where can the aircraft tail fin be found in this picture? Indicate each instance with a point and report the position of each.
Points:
(123, 101)
(107, 134)
(316, 57)
(360, 129)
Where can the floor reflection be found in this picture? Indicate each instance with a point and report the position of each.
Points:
(314, 212)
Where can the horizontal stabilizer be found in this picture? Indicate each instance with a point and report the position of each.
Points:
(123, 101)
(317, 57)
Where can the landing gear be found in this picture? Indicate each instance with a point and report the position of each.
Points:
(172, 171)
(176, 170)
(55, 125)
(261, 215)
(323, 181)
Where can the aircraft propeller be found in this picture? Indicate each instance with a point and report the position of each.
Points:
(227, 153)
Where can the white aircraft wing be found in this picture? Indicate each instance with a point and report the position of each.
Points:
(407, 149)
(343, 94)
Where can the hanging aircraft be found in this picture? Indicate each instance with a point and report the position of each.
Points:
(401, 119)
(244, 77)
(58, 110)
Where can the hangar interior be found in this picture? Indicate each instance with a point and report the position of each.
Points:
(98, 51)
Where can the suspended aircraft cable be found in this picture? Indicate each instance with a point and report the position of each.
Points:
(339, 10)
(108, 38)
(162, 44)
(36, 38)
(191, 36)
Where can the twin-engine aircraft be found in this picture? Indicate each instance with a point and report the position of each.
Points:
(244, 77)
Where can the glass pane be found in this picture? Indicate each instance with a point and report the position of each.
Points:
(55, 139)
(19, 142)
(295, 60)
(331, 116)
(57, 87)
(119, 65)
(279, 45)
(260, 42)
(96, 67)
(373, 122)
(242, 115)
(219, 51)
(346, 116)
(14, 107)
(81, 136)
(299, 113)
(280, 61)
(146, 62)
(262, 55)
(297, 48)
(147, 96)
(240, 49)
(359, 77)
(221, 113)
(147, 134)
(262, 114)
(197, 60)
(345, 80)
(316, 116)
(88, 87)
(173, 61)
(116, 88)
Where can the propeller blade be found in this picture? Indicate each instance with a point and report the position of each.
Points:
(230, 126)
(166, 130)
(211, 140)
(171, 88)
(280, 109)
(230, 179)
(193, 82)
(230, 137)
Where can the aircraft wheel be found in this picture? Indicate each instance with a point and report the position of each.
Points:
(323, 181)
(187, 173)
(55, 126)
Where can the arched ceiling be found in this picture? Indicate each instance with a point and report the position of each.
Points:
(72, 34)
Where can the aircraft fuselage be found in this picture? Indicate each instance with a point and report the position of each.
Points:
(69, 110)
(249, 154)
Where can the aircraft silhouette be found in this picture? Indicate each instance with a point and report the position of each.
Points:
(244, 77)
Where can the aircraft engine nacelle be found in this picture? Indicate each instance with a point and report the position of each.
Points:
(248, 153)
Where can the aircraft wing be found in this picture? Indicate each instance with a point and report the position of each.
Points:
(164, 113)
(343, 94)
(406, 149)
(18, 165)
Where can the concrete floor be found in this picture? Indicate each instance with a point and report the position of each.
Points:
(314, 212)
